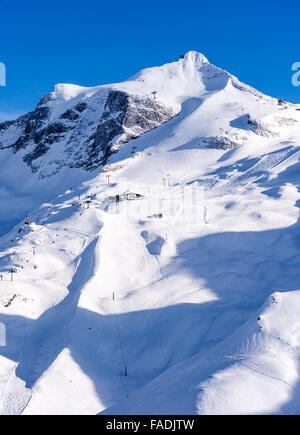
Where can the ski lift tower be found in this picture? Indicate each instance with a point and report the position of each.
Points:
(12, 271)
(88, 202)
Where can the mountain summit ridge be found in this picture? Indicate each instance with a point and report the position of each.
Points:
(75, 131)
(65, 122)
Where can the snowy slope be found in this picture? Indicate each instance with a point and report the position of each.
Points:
(200, 306)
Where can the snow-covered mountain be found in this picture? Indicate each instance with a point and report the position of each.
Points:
(152, 227)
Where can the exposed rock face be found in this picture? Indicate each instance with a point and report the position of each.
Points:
(83, 136)
(282, 122)
(261, 129)
(124, 118)
(222, 142)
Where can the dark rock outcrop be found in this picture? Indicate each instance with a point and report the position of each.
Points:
(221, 142)
(261, 129)
(84, 140)
(124, 118)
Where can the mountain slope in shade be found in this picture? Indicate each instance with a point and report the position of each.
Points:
(191, 282)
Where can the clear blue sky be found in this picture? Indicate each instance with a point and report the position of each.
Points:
(96, 42)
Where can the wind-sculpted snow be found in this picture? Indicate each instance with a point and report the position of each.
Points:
(151, 228)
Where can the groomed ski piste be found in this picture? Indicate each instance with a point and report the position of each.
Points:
(167, 280)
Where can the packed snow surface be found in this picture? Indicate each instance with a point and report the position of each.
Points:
(165, 278)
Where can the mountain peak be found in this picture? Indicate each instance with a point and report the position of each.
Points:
(67, 91)
(195, 57)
